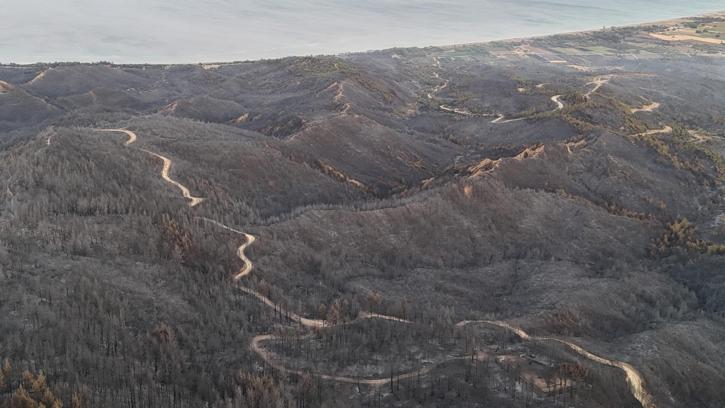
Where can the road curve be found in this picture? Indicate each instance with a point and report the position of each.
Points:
(309, 323)
(557, 101)
(268, 358)
(194, 201)
(247, 269)
(649, 107)
(499, 120)
(249, 240)
(634, 378)
(131, 135)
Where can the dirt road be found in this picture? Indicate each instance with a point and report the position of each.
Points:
(247, 269)
(438, 88)
(368, 315)
(5, 87)
(442, 85)
(306, 322)
(646, 108)
(269, 359)
(38, 77)
(194, 201)
(559, 104)
(458, 111)
(500, 118)
(634, 378)
(666, 129)
(131, 135)
(248, 240)
(309, 323)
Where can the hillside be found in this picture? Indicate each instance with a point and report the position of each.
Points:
(535, 222)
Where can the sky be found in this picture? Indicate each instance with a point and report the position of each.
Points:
(191, 31)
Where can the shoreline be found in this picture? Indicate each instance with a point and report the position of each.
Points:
(666, 22)
(215, 64)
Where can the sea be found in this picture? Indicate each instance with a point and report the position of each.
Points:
(192, 31)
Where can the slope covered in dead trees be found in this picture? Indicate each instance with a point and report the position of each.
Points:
(566, 190)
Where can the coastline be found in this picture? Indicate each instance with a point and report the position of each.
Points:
(215, 64)
(667, 22)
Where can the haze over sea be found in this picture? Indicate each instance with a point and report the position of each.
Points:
(189, 31)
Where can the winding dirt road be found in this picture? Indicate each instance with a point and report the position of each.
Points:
(437, 88)
(249, 240)
(194, 201)
(269, 359)
(309, 323)
(131, 136)
(634, 378)
(557, 101)
(247, 269)
(500, 119)
(646, 107)
(441, 86)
